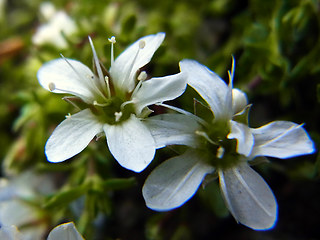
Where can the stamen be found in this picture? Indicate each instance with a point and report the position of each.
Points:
(95, 103)
(136, 89)
(129, 76)
(118, 115)
(126, 103)
(103, 83)
(205, 135)
(112, 40)
(96, 89)
(52, 86)
(231, 73)
(142, 76)
(68, 116)
(220, 152)
(142, 44)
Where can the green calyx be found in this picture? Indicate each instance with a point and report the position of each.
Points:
(220, 151)
(224, 155)
(114, 111)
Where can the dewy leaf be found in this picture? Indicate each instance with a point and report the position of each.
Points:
(167, 129)
(175, 181)
(131, 143)
(65, 231)
(72, 136)
(281, 139)
(248, 197)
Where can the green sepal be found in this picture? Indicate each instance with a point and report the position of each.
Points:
(243, 116)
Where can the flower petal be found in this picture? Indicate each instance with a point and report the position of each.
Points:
(65, 231)
(131, 143)
(167, 129)
(248, 197)
(244, 137)
(175, 181)
(10, 233)
(239, 100)
(72, 136)
(68, 76)
(123, 70)
(211, 88)
(281, 139)
(157, 90)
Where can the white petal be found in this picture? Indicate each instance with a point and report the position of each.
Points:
(131, 143)
(239, 100)
(157, 90)
(72, 136)
(170, 129)
(10, 233)
(17, 212)
(67, 76)
(248, 197)
(281, 139)
(66, 231)
(123, 70)
(210, 86)
(175, 181)
(244, 137)
(51, 32)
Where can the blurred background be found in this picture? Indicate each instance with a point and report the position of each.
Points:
(276, 46)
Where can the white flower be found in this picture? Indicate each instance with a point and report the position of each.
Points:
(115, 103)
(65, 231)
(16, 209)
(51, 32)
(224, 144)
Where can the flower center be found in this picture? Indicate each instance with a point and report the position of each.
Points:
(220, 151)
(114, 111)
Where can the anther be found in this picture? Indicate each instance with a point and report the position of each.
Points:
(112, 39)
(52, 86)
(95, 103)
(142, 44)
(118, 115)
(142, 76)
(220, 152)
(205, 135)
(68, 116)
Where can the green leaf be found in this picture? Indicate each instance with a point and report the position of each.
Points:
(64, 197)
(119, 183)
